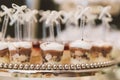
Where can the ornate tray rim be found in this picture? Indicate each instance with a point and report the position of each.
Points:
(55, 68)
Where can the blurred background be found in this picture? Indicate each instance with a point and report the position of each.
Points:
(66, 5)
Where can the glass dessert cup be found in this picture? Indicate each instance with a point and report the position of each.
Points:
(20, 52)
(52, 52)
(101, 52)
(80, 51)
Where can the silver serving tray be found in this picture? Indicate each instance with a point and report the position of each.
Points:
(56, 68)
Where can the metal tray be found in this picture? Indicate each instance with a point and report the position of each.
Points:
(56, 68)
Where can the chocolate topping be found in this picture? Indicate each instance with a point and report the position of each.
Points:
(36, 44)
(25, 51)
(66, 47)
(13, 52)
(79, 49)
(103, 50)
(53, 52)
(4, 52)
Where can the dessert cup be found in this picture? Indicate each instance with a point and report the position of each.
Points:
(20, 52)
(100, 51)
(52, 51)
(80, 51)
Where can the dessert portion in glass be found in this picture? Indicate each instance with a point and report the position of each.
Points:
(80, 51)
(4, 53)
(36, 55)
(52, 51)
(20, 52)
(100, 51)
(102, 48)
(66, 58)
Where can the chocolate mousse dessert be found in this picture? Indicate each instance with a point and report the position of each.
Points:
(52, 51)
(36, 55)
(4, 53)
(20, 52)
(80, 51)
(100, 51)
